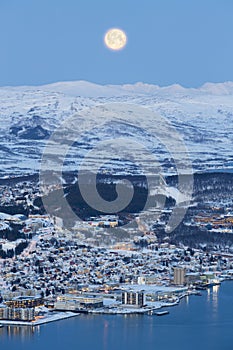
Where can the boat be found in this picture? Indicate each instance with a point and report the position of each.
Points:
(162, 313)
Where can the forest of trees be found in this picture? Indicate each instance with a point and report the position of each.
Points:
(10, 253)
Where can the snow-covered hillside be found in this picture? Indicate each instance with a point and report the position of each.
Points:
(29, 115)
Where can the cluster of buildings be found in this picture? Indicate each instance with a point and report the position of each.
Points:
(20, 308)
(105, 221)
(70, 275)
(77, 271)
(17, 314)
(78, 303)
(21, 193)
(21, 229)
(215, 222)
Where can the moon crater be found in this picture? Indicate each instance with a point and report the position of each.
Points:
(115, 39)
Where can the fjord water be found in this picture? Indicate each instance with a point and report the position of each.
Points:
(198, 322)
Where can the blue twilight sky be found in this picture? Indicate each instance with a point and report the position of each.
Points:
(169, 41)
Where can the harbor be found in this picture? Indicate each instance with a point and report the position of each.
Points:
(117, 331)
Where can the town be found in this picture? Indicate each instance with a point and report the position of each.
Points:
(49, 272)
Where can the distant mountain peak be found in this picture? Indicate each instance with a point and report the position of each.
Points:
(92, 90)
(225, 88)
(29, 115)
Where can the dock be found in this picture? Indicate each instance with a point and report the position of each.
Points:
(40, 321)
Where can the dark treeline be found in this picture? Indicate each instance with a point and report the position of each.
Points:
(13, 232)
(10, 253)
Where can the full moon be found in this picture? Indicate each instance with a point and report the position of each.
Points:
(115, 39)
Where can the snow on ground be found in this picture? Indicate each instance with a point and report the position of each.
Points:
(153, 288)
(203, 117)
(50, 317)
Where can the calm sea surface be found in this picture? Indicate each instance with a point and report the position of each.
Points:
(198, 322)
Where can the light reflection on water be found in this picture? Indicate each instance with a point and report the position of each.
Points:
(212, 299)
(215, 296)
(105, 334)
(208, 295)
(22, 332)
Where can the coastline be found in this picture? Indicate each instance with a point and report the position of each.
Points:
(149, 310)
(47, 319)
(208, 317)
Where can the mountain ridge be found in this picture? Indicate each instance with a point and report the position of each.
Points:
(89, 89)
(203, 117)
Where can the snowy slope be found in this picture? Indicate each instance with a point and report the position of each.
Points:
(29, 115)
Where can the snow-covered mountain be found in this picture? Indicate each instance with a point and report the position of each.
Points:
(29, 115)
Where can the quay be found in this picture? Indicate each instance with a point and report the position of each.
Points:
(46, 319)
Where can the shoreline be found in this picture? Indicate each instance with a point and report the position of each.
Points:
(47, 319)
(59, 315)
